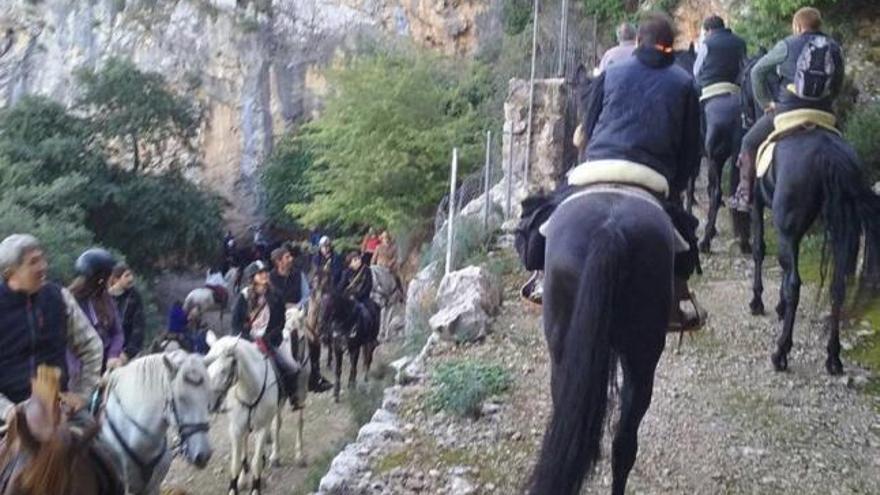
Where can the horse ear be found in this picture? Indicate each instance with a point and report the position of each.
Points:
(173, 360)
(211, 338)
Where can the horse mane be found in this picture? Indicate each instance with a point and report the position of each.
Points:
(49, 469)
(146, 376)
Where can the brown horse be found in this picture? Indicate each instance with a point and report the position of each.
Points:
(43, 454)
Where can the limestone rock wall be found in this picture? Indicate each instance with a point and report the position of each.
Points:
(253, 67)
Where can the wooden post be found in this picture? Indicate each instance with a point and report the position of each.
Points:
(450, 224)
(531, 97)
(488, 175)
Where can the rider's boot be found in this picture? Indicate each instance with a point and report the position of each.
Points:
(688, 318)
(742, 198)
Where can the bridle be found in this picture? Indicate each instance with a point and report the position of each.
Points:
(232, 377)
(184, 432)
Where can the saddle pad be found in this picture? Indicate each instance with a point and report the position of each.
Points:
(681, 244)
(786, 123)
(618, 172)
(719, 89)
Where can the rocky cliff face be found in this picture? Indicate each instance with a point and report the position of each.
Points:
(252, 65)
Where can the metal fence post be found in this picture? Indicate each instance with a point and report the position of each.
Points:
(531, 97)
(450, 225)
(510, 161)
(486, 196)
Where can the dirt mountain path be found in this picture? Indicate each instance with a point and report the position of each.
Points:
(721, 421)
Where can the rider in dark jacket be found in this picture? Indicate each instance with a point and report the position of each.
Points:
(40, 322)
(722, 55)
(131, 309)
(625, 99)
(356, 286)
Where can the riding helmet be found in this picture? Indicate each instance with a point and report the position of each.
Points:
(95, 262)
(255, 268)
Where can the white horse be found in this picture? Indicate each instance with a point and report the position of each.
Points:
(203, 297)
(142, 400)
(390, 297)
(246, 379)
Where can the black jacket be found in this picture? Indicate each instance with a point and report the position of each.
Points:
(241, 324)
(725, 57)
(646, 110)
(357, 284)
(131, 310)
(33, 331)
(288, 287)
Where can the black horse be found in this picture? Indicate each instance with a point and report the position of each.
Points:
(815, 171)
(723, 126)
(608, 290)
(355, 329)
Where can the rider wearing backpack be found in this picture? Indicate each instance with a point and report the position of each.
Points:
(810, 68)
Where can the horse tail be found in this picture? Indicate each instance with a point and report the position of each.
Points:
(572, 441)
(850, 210)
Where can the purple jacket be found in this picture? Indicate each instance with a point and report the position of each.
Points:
(113, 338)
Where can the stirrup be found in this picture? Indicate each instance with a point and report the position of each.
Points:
(532, 292)
(688, 323)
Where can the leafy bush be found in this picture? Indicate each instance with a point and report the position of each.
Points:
(469, 242)
(766, 22)
(382, 147)
(462, 386)
(863, 132)
(516, 15)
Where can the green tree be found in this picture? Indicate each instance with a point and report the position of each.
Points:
(382, 147)
(765, 22)
(136, 108)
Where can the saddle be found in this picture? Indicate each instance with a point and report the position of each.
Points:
(221, 295)
(788, 123)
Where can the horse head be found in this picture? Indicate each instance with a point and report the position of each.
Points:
(222, 366)
(190, 404)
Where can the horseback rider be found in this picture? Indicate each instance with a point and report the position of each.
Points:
(626, 43)
(287, 282)
(41, 321)
(327, 265)
(93, 268)
(131, 309)
(356, 285)
(258, 315)
(619, 139)
(721, 56)
(720, 60)
(804, 82)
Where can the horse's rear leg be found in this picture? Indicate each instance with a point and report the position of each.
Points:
(638, 383)
(354, 352)
(338, 350)
(791, 290)
(369, 349)
(759, 248)
(714, 190)
(833, 365)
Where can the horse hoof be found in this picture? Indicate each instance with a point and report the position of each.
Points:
(302, 462)
(834, 367)
(745, 248)
(275, 463)
(705, 248)
(757, 308)
(780, 361)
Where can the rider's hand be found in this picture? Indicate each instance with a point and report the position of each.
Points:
(770, 108)
(72, 401)
(114, 363)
